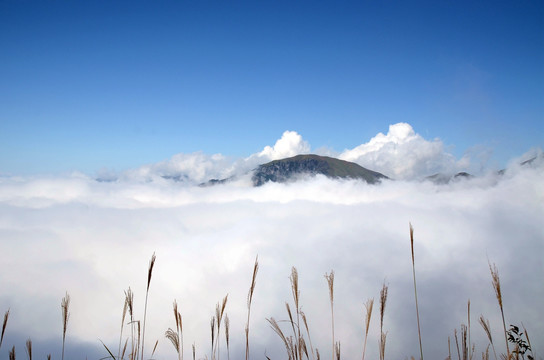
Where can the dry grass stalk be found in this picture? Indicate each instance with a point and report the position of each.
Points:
(194, 351)
(292, 348)
(292, 322)
(154, 348)
(528, 341)
(487, 329)
(12, 353)
(296, 298)
(125, 308)
(212, 328)
(129, 300)
(464, 344)
(274, 325)
(497, 287)
(149, 274)
(449, 348)
(219, 312)
(330, 282)
(4, 324)
(139, 337)
(383, 338)
(383, 301)
(307, 332)
(124, 349)
(485, 356)
(415, 289)
(303, 348)
(249, 300)
(108, 350)
(179, 326)
(368, 305)
(227, 335)
(176, 337)
(457, 344)
(337, 350)
(29, 349)
(470, 353)
(65, 305)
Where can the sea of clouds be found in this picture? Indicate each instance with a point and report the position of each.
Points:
(94, 239)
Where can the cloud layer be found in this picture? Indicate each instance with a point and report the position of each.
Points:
(400, 154)
(94, 240)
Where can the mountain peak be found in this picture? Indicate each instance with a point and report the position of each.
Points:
(284, 170)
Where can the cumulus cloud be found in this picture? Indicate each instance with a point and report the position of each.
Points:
(404, 154)
(290, 144)
(95, 239)
(400, 154)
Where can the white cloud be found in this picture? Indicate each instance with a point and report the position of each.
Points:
(95, 239)
(400, 154)
(404, 154)
(193, 168)
(290, 144)
(198, 167)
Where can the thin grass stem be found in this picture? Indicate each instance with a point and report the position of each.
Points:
(149, 273)
(415, 289)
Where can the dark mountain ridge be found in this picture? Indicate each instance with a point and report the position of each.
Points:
(288, 169)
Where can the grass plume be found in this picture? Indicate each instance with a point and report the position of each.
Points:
(212, 328)
(29, 349)
(227, 335)
(368, 306)
(4, 324)
(249, 300)
(65, 306)
(176, 337)
(296, 298)
(487, 329)
(149, 273)
(129, 301)
(496, 281)
(383, 336)
(330, 283)
(219, 312)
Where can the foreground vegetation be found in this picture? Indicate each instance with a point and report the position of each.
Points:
(296, 337)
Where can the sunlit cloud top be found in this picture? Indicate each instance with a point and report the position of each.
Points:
(400, 154)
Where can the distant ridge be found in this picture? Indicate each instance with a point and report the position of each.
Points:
(446, 179)
(288, 169)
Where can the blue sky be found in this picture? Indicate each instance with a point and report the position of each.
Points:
(88, 85)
